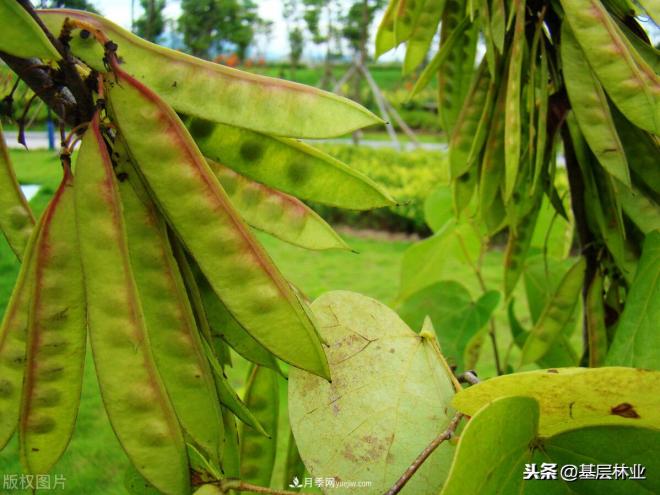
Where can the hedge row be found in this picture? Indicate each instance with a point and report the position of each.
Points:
(408, 176)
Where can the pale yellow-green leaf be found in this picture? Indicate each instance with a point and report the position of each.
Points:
(389, 397)
(575, 397)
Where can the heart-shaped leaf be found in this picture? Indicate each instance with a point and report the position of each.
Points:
(389, 397)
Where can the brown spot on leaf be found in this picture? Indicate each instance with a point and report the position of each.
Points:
(553, 371)
(625, 410)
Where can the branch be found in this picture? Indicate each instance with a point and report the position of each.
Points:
(243, 486)
(585, 237)
(72, 102)
(40, 80)
(430, 448)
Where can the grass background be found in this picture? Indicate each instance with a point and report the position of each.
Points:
(94, 462)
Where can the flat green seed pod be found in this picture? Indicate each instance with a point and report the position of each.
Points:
(215, 92)
(56, 338)
(200, 212)
(134, 396)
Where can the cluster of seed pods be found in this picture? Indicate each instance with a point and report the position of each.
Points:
(579, 70)
(146, 250)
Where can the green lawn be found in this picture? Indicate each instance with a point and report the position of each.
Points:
(94, 462)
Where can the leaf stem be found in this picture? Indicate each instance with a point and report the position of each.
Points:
(430, 448)
(492, 330)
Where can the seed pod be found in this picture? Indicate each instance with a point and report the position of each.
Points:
(629, 81)
(405, 19)
(221, 352)
(385, 39)
(426, 25)
(463, 190)
(288, 165)
(173, 333)
(230, 398)
(294, 467)
(446, 50)
(276, 213)
(213, 91)
(224, 326)
(135, 399)
(607, 211)
(16, 219)
(231, 462)
(455, 75)
(595, 318)
(13, 337)
(518, 243)
(556, 314)
(540, 158)
(202, 216)
(56, 337)
(641, 209)
(591, 108)
(21, 35)
(512, 128)
(257, 451)
(469, 133)
(497, 24)
(641, 150)
(492, 163)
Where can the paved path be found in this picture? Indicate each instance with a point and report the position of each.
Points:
(39, 140)
(35, 139)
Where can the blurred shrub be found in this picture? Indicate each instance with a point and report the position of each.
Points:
(408, 176)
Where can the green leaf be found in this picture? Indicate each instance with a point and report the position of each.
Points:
(501, 440)
(438, 207)
(389, 397)
(603, 445)
(636, 338)
(288, 165)
(556, 315)
(555, 228)
(575, 397)
(494, 448)
(456, 317)
(215, 92)
(437, 257)
(21, 35)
